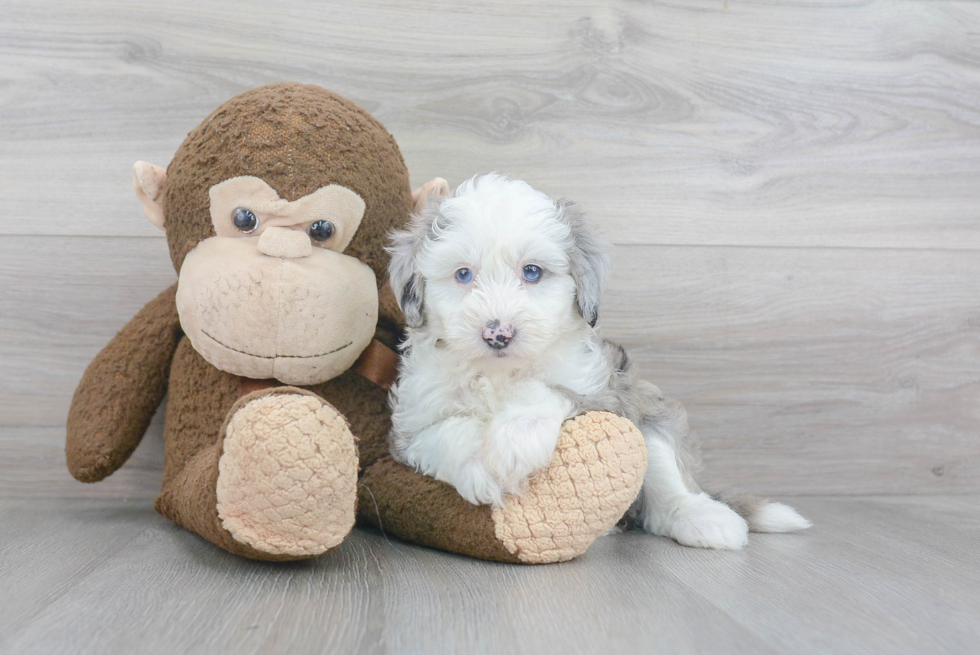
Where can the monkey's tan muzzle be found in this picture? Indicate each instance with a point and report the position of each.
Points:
(276, 309)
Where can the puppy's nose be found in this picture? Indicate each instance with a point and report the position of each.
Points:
(283, 242)
(497, 335)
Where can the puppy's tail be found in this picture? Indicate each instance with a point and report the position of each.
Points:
(761, 514)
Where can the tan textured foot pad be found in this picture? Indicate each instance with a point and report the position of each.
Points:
(595, 476)
(287, 477)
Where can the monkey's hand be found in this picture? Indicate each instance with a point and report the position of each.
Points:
(121, 389)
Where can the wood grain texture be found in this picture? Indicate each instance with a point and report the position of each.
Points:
(32, 465)
(896, 575)
(760, 123)
(792, 188)
(46, 550)
(813, 370)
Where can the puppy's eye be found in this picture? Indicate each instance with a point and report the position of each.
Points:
(245, 220)
(532, 273)
(320, 230)
(464, 276)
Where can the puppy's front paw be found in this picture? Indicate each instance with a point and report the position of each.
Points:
(705, 523)
(519, 447)
(475, 483)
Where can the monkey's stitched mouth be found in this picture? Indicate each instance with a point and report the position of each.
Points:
(224, 345)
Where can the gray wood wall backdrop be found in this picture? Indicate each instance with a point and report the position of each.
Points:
(793, 191)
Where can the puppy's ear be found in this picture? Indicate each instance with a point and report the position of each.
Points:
(403, 270)
(589, 262)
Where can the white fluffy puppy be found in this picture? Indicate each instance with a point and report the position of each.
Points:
(500, 288)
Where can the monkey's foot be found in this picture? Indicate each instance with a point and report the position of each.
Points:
(595, 475)
(287, 477)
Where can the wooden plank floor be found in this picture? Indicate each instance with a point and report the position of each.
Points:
(874, 575)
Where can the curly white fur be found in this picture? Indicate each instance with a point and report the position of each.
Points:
(494, 361)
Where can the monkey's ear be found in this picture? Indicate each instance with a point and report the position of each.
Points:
(589, 262)
(148, 183)
(436, 185)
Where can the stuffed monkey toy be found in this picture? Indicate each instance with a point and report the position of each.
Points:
(277, 345)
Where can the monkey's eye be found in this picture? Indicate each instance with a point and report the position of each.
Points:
(532, 273)
(320, 230)
(464, 276)
(245, 220)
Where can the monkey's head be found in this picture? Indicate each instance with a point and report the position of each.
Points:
(276, 210)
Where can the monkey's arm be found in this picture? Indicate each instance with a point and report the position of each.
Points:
(121, 389)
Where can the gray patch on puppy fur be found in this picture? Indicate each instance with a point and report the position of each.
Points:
(589, 261)
(403, 271)
(645, 406)
(745, 504)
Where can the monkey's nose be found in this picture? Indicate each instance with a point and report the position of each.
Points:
(496, 335)
(283, 242)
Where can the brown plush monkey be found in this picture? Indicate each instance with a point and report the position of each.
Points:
(276, 348)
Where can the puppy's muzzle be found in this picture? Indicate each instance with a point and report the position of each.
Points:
(498, 336)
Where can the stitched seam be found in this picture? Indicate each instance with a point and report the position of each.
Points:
(223, 345)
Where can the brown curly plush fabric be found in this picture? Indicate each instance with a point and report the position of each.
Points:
(420, 509)
(120, 391)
